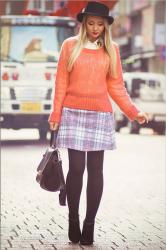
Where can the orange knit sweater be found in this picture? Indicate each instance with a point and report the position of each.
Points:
(88, 85)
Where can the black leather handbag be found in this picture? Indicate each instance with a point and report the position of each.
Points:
(50, 173)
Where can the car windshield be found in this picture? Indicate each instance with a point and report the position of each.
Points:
(33, 43)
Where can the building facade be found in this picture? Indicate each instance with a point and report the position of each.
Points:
(140, 31)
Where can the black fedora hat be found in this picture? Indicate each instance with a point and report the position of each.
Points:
(95, 9)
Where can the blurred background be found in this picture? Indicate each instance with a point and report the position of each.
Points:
(32, 32)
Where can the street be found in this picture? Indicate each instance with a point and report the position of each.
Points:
(132, 213)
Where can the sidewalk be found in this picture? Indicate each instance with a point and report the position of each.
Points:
(131, 215)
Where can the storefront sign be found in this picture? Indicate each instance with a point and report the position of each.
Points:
(160, 34)
(163, 53)
(148, 28)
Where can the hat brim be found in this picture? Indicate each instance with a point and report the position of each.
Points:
(81, 15)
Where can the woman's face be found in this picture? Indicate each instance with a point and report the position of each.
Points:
(94, 27)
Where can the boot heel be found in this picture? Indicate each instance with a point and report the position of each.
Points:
(87, 234)
(74, 232)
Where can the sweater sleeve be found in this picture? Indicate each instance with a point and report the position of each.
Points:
(118, 92)
(61, 83)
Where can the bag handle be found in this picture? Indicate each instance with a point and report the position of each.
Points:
(53, 138)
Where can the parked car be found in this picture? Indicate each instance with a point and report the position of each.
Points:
(148, 92)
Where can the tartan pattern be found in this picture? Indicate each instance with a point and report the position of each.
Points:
(86, 130)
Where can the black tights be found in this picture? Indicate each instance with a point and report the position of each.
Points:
(94, 184)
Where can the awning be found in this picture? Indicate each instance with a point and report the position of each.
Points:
(135, 57)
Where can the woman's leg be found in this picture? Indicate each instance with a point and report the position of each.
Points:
(94, 193)
(73, 190)
(95, 183)
(74, 180)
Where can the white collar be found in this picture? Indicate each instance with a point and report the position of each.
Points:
(95, 42)
(92, 45)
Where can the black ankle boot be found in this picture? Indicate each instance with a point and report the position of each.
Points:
(74, 232)
(87, 233)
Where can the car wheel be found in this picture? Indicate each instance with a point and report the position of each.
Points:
(42, 134)
(133, 127)
(160, 129)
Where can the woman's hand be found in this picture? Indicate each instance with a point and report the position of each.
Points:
(53, 125)
(142, 117)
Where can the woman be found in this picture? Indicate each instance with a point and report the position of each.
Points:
(89, 69)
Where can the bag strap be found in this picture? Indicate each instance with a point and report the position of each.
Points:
(62, 192)
(53, 138)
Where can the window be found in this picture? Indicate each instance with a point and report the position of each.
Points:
(49, 5)
(35, 45)
(37, 4)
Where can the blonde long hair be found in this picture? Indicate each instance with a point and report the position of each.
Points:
(105, 41)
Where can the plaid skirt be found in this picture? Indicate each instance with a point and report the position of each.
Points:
(86, 130)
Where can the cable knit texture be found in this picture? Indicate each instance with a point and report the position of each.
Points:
(88, 85)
